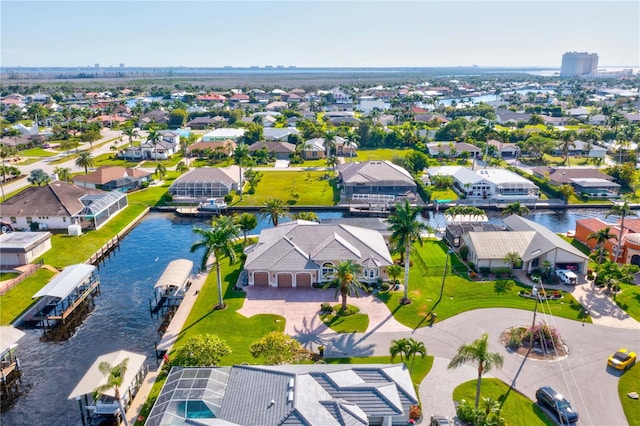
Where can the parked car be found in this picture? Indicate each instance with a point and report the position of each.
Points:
(439, 421)
(557, 404)
(623, 359)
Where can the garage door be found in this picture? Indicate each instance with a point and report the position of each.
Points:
(285, 280)
(261, 278)
(303, 280)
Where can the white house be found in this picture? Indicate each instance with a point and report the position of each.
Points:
(223, 134)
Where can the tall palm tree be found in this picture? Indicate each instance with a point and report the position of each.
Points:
(601, 237)
(217, 241)
(5, 152)
(131, 132)
(477, 351)
(84, 160)
(161, 170)
(399, 347)
(330, 143)
(241, 156)
(352, 143)
(515, 208)
(246, 222)
(405, 229)
(154, 138)
(332, 162)
(567, 142)
(346, 280)
(115, 376)
(623, 210)
(274, 209)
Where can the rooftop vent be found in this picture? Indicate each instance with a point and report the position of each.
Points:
(291, 383)
(290, 396)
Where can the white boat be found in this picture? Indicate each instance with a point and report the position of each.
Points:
(212, 205)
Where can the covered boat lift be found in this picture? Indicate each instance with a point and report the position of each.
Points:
(172, 284)
(75, 287)
(105, 404)
(10, 364)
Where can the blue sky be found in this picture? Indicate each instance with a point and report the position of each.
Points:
(316, 33)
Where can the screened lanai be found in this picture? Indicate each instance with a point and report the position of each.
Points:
(206, 182)
(99, 208)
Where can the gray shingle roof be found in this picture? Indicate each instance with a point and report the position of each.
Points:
(374, 173)
(54, 199)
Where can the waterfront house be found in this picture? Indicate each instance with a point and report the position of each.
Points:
(205, 149)
(533, 242)
(110, 178)
(203, 183)
(22, 248)
(205, 122)
(312, 394)
(586, 181)
(104, 406)
(498, 186)
(58, 204)
(301, 253)
(376, 180)
(629, 251)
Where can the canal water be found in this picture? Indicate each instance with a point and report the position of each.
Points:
(121, 318)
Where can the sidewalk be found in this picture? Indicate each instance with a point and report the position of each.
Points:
(167, 342)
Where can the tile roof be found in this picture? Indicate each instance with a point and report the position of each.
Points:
(54, 199)
(374, 172)
(108, 173)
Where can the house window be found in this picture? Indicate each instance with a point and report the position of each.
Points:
(13, 219)
(29, 219)
(328, 269)
(64, 218)
(373, 273)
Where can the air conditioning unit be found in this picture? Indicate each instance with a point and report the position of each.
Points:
(74, 229)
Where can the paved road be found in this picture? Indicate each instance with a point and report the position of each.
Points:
(582, 376)
(45, 165)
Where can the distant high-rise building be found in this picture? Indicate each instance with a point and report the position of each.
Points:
(121, 65)
(97, 66)
(578, 63)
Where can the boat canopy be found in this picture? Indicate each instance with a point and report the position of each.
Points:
(93, 378)
(68, 280)
(9, 336)
(176, 274)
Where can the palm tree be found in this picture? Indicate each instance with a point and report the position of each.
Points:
(332, 162)
(131, 132)
(329, 142)
(568, 141)
(241, 156)
(394, 272)
(5, 152)
(622, 210)
(217, 241)
(181, 167)
(161, 170)
(154, 137)
(407, 348)
(63, 173)
(275, 209)
(115, 376)
(405, 229)
(308, 216)
(515, 208)
(513, 258)
(477, 351)
(346, 273)
(601, 237)
(84, 160)
(246, 222)
(352, 143)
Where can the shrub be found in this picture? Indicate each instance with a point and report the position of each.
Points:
(228, 198)
(464, 252)
(384, 286)
(351, 310)
(415, 412)
(326, 308)
(515, 337)
(485, 270)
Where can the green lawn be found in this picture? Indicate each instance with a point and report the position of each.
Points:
(356, 323)
(380, 154)
(201, 162)
(110, 160)
(8, 275)
(629, 300)
(68, 157)
(321, 162)
(15, 301)
(171, 162)
(460, 294)
(628, 382)
(312, 186)
(442, 194)
(518, 410)
(36, 152)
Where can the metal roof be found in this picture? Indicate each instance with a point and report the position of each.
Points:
(9, 336)
(94, 378)
(175, 274)
(68, 280)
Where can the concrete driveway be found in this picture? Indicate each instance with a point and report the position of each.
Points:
(301, 307)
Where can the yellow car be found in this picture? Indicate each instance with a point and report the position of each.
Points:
(623, 359)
